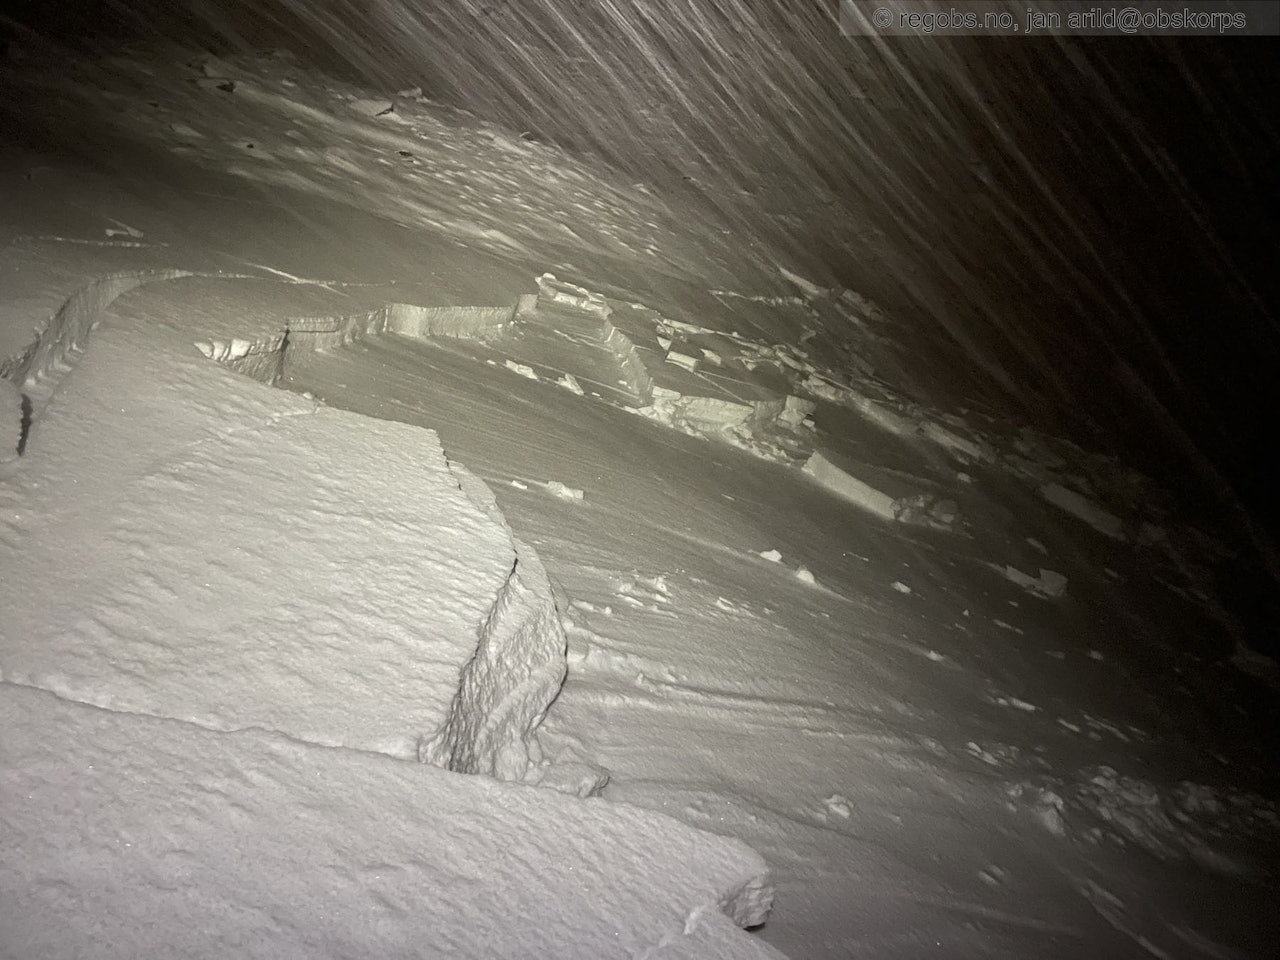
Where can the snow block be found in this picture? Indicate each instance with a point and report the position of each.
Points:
(633, 369)
(967, 451)
(198, 546)
(460, 323)
(795, 411)
(1082, 508)
(927, 510)
(518, 667)
(1049, 583)
(850, 487)
(269, 358)
(126, 836)
(553, 292)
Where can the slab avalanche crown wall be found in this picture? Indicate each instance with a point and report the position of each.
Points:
(241, 578)
(333, 602)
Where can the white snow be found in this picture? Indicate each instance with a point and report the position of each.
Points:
(521, 368)
(130, 836)
(1083, 508)
(235, 616)
(249, 570)
(849, 487)
(1049, 583)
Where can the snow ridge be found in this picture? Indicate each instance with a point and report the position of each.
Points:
(519, 662)
(68, 330)
(516, 672)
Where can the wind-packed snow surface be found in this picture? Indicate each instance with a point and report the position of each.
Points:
(969, 689)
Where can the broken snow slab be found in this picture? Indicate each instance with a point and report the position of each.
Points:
(188, 543)
(44, 277)
(844, 484)
(1082, 508)
(127, 836)
(882, 493)
(1049, 583)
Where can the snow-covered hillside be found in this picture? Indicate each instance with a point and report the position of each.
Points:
(426, 544)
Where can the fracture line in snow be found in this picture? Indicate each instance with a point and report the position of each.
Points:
(195, 724)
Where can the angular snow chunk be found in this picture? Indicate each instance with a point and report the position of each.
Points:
(773, 556)
(1082, 508)
(900, 586)
(258, 561)
(683, 360)
(804, 575)
(701, 416)
(636, 375)
(839, 805)
(520, 368)
(795, 411)
(519, 484)
(850, 487)
(558, 489)
(927, 510)
(965, 450)
(712, 357)
(814, 383)
(570, 383)
(192, 843)
(122, 229)
(561, 294)
(462, 323)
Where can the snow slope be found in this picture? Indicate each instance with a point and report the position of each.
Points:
(966, 687)
(131, 836)
(241, 613)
